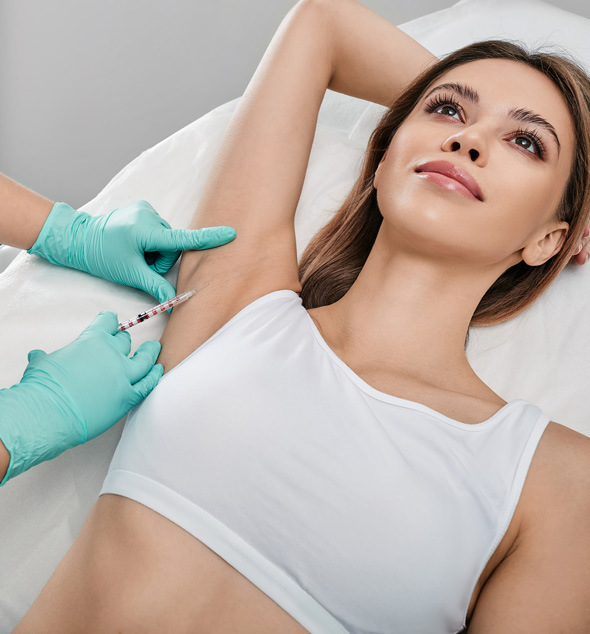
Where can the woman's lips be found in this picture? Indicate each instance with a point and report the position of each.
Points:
(448, 183)
(454, 178)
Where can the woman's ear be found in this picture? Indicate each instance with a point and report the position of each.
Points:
(543, 248)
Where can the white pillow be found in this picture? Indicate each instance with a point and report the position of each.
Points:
(531, 21)
(539, 356)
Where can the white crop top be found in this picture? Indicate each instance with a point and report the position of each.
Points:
(356, 511)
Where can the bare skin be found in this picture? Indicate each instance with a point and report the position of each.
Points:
(132, 570)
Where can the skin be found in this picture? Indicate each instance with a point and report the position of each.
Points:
(437, 252)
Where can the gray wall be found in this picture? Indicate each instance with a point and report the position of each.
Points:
(87, 85)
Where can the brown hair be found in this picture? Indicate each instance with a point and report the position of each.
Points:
(335, 256)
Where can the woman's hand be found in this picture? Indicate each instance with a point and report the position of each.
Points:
(583, 252)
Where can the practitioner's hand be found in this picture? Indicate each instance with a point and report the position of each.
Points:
(581, 256)
(75, 393)
(131, 245)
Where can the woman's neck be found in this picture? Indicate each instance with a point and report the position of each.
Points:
(408, 314)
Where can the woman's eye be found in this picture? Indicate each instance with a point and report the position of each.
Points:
(528, 144)
(448, 107)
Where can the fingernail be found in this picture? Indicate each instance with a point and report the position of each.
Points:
(579, 249)
(226, 233)
(587, 232)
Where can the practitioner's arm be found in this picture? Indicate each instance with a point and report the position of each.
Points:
(23, 213)
(256, 178)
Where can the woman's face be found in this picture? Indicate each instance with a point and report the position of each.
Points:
(477, 125)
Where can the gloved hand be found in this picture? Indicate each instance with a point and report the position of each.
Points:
(131, 245)
(75, 393)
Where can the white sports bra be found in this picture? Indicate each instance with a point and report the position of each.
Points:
(356, 511)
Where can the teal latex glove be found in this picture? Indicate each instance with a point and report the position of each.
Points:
(131, 245)
(75, 393)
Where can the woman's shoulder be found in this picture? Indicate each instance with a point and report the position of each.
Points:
(543, 582)
(565, 451)
(559, 476)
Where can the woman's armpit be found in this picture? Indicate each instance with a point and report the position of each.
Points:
(230, 283)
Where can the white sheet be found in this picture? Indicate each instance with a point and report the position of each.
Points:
(542, 355)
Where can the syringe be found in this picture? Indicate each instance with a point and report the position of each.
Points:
(156, 310)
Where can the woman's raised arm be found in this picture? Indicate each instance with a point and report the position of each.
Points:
(372, 58)
(257, 175)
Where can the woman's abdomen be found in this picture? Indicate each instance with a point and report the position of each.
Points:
(132, 570)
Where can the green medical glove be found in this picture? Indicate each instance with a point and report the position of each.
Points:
(131, 245)
(75, 393)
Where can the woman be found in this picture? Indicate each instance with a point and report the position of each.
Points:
(356, 476)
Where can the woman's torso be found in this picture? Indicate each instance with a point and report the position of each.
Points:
(205, 594)
(172, 559)
(126, 549)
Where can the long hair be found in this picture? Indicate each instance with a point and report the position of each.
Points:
(336, 254)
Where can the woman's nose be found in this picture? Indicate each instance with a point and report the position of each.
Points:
(468, 142)
(473, 153)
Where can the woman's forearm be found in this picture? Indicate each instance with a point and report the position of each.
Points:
(372, 58)
(23, 213)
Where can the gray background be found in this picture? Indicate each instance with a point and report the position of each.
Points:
(88, 85)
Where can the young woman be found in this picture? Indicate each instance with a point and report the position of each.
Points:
(335, 465)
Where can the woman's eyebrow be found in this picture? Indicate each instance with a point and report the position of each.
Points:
(518, 114)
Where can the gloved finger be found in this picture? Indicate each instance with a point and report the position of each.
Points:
(33, 354)
(187, 239)
(154, 284)
(122, 342)
(108, 322)
(142, 362)
(144, 386)
(161, 262)
(105, 320)
(143, 205)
